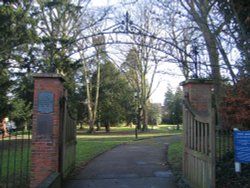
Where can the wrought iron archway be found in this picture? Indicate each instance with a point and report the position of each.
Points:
(128, 27)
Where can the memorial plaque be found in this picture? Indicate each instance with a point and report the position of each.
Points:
(44, 125)
(242, 146)
(45, 102)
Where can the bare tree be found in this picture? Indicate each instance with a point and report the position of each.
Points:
(143, 61)
(205, 23)
(91, 60)
(237, 21)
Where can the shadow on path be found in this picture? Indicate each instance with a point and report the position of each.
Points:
(141, 164)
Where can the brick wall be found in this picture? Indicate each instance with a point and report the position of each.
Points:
(45, 138)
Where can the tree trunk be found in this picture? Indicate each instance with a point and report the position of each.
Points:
(145, 118)
(210, 40)
(91, 126)
(138, 126)
(98, 126)
(107, 128)
(92, 111)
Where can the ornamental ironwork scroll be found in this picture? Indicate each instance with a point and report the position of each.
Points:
(126, 26)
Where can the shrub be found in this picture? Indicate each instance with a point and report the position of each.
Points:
(235, 106)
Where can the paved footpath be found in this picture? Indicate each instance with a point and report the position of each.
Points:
(140, 164)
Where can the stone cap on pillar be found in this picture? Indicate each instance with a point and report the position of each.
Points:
(48, 75)
(197, 81)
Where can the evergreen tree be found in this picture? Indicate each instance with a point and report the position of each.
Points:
(17, 34)
(173, 106)
(116, 97)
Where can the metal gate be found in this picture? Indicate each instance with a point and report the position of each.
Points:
(68, 140)
(15, 156)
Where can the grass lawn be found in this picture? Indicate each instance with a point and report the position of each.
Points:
(175, 156)
(91, 145)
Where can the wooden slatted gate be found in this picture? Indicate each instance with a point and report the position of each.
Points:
(199, 134)
(68, 140)
(199, 158)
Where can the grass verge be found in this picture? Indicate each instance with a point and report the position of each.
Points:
(175, 152)
(175, 157)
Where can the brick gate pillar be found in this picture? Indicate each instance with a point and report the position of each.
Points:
(48, 91)
(199, 95)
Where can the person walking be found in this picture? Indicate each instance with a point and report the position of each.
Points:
(3, 127)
